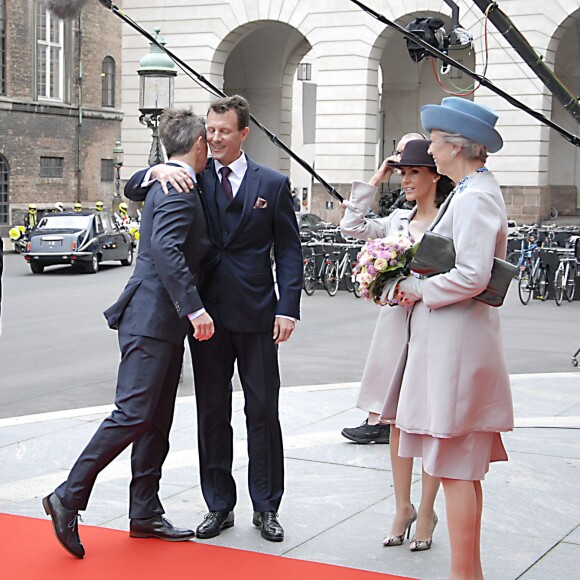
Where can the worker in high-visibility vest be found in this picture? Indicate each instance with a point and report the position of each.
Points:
(31, 218)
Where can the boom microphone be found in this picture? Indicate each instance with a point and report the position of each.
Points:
(66, 9)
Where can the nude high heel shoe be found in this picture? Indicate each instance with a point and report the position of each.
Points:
(421, 545)
(393, 540)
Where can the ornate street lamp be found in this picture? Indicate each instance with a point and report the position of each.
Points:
(118, 163)
(156, 78)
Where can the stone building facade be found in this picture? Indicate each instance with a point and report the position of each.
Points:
(364, 91)
(60, 107)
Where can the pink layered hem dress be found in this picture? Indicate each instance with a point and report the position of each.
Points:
(451, 395)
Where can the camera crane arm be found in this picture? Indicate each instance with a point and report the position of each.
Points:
(535, 61)
(574, 139)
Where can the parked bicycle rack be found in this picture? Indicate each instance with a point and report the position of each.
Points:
(324, 249)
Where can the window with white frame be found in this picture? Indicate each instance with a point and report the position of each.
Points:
(49, 54)
(108, 81)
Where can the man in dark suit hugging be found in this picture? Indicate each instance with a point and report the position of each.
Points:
(249, 211)
(153, 314)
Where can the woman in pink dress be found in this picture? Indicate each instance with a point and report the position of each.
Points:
(424, 186)
(455, 396)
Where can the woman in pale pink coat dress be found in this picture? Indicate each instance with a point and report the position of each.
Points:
(428, 189)
(455, 396)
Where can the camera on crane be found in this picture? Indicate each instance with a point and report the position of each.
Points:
(432, 31)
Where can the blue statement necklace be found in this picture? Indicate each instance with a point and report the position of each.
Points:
(462, 183)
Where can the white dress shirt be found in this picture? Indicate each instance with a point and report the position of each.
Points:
(238, 167)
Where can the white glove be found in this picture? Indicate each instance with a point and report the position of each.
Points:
(409, 291)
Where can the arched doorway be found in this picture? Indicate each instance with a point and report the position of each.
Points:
(4, 193)
(260, 64)
(564, 158)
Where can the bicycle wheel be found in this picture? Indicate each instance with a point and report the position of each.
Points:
(524, 290)
(543, 289)
(330, 278)
(348, 280)
(514, 258)
(356, 290)
(309, 283)
(559, 286)
(571, 282)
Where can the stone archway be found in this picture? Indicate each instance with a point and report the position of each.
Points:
(258, 60)
(405, 86)
(564, 157)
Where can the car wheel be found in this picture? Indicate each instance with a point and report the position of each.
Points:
(129, 259)
(36, 268)
(93, 266)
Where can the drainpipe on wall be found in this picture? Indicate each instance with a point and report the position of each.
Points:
(80, 105)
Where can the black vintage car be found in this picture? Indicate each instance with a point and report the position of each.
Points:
(84, 239)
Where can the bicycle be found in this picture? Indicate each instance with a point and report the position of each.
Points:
(565, 277)
(309, 272)
(338, 269)
(311, 275)
(533, 276)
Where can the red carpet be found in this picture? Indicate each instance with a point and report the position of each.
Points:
(30, 551)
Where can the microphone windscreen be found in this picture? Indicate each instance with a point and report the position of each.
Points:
(65, 9)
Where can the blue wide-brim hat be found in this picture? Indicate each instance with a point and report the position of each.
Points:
(472, 120)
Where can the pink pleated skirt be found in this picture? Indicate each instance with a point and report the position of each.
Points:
(466, 457)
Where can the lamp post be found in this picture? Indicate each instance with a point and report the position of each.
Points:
(156, 78)
(304, 72)
(118, 163)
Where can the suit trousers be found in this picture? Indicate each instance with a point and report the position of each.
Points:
(213, 364)
(147, 383)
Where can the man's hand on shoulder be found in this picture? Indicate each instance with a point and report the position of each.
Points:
(202, 327)
(178, 177)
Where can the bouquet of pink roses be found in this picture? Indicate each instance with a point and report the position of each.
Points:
(382, 263)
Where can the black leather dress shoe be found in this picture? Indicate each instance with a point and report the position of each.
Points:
(65, 523)
(159, 527)
(269, 525)
(213, 524)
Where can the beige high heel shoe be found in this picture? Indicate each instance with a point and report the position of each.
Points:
(421, 545)
(393, 540)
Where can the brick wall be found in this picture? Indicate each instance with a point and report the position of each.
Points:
(529, 205)
(30, 129)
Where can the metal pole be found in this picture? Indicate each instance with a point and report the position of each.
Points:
(534, 60)
(117, 180)
(156, 152)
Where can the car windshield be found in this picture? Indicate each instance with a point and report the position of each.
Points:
(64, 222)
(309, 220)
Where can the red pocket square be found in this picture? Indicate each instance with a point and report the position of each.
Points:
(261, 203)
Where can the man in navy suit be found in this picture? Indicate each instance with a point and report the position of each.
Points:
(249, 211)
(153, 314)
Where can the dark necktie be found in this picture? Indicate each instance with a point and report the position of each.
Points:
(226, 185)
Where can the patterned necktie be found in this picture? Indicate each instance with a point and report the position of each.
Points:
(226, 185)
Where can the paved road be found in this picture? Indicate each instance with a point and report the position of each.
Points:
(57, 353)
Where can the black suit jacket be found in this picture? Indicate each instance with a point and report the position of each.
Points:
(163, 288)
(239, 291)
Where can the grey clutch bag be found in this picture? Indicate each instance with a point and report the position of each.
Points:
(436, 255)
